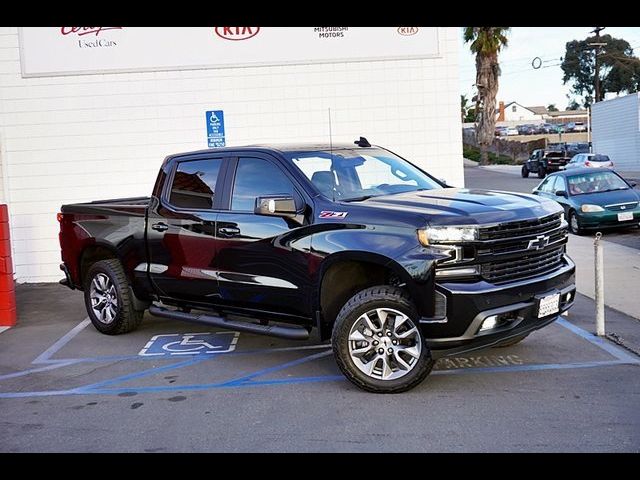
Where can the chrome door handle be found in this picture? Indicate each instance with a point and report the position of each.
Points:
(160, 227)
(229, 231)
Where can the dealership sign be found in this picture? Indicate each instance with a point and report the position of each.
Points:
(47, 51)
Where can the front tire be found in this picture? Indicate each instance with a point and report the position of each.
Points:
(574, 223)
(525, 171)
(377, 341)
(108, 299)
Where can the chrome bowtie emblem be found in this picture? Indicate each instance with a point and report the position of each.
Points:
(539, 243)
(622, 207)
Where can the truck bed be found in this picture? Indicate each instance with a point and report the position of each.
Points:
(117, 206)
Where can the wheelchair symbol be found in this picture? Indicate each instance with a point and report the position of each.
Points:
(190, 344)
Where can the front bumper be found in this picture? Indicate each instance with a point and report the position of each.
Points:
(469, 304)
(607, 219)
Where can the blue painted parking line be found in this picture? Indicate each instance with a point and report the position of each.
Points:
(621, 358)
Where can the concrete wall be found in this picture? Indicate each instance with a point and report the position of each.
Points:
(615, 127)
(78, 138)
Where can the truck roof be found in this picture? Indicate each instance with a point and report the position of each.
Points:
(279, 147)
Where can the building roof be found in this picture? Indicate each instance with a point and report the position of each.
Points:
(538, 110)
(507, 104)
(568, 113)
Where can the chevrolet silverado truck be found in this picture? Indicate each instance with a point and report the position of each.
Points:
(394, 266)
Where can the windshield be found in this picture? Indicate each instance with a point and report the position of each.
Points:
(361, 173)
(595, 182)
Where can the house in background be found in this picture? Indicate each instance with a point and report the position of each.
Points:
(514, 112)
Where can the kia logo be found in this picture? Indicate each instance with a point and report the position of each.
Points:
(237, 33)
(407, 31)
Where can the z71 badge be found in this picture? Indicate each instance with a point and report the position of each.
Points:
(329, 214)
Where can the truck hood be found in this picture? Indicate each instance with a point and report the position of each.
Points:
(461, 206)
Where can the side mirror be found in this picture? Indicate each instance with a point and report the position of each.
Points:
(561, 193)
(276, 206)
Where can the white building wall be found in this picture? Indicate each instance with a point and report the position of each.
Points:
(615, 127)
(515, 112)
(80, 138)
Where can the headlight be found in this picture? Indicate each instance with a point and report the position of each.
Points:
(430, 235)
(587, 208)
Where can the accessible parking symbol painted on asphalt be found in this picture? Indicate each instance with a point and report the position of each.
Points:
(173, 344)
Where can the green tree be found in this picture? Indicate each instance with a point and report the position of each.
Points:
(471, 115)
(573, 105)
(619, 68)
(552, 108)
(486, 43)
(464, 107)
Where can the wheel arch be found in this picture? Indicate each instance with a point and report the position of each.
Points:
(364, 269)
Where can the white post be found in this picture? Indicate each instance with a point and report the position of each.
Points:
(589, 126)
(599, 274)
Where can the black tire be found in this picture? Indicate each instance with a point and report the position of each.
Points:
(542, 172)
(383, 296)
(126, 317)
(574, 223)
(511, 341)
(525, 171)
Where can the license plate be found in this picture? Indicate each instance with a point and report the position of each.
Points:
(549, 305)
(625, 217)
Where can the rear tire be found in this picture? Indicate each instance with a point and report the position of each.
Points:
(108, 299)
(511, 341)
(525, 171)
(381, 319)
(542, 172)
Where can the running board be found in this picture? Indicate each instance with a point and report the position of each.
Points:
(291, 333)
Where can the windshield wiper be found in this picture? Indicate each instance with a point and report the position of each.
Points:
(612, 189)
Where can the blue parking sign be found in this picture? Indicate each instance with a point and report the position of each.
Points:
(215, 128)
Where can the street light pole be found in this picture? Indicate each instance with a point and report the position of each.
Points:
(597, 46)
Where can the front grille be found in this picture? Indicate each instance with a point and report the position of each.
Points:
(520, 229)
(622, 207)
(530, 265)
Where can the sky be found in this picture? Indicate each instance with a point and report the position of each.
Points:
(519, 81)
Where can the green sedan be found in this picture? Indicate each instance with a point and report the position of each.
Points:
(593, 199)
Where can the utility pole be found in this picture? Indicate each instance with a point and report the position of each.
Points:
(597, 46)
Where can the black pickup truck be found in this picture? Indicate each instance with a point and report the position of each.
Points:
(543, 161)
(394, 266)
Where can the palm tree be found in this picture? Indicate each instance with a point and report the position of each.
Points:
(486, 43)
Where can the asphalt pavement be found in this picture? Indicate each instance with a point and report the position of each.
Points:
(176, 387)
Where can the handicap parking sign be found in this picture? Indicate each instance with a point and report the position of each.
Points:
(215, 128)
(174, 344)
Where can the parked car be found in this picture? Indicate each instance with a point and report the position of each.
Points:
(576, 127)
(577, 147)
(590, 160)
(389, 263)
(543, 161)
(593, 199)
(525, 129)
(511, 131)
(501, 131)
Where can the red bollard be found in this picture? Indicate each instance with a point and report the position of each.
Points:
(7, 288)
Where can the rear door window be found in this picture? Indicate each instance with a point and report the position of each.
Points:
(194, 184)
